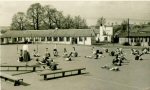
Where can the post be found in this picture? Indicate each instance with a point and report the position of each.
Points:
(17, 68)
(34, 68)
(128, 30)
(79, 71)
(45, 77)
(63, 74)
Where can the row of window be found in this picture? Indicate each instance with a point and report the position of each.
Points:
(50, 39)
(140, 39)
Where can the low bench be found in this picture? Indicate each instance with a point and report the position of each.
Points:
(19, 66)
(17, 81)
(62, 72)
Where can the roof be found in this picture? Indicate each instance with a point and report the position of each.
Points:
(146, 29)
(41, 33)
(135, 34)
(96, 31)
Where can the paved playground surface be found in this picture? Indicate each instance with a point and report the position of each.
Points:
(134, 75)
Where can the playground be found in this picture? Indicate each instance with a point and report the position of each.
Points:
(133, 75)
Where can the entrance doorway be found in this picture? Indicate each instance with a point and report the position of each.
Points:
(74, 40)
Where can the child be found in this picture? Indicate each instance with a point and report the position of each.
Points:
(65, 53)
(138, 56)
(35, 54)
(74, 53)
(47, 54)
(20, 59)
(68, 58)
(55, 52)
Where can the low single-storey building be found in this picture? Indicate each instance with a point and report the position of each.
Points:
(141, 37)
(63, 36)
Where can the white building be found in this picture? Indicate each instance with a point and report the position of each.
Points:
(105, 34)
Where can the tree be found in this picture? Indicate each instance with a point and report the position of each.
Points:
(101, 21)
(35, 15)
(124, 25)
(79, 23)
(48, 16)
(68, 23)
(148, 23)
(19, 21)
(58, 19)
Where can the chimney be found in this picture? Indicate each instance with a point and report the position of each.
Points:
(101, 29)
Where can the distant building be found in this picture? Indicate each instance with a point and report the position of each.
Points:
(141, 37)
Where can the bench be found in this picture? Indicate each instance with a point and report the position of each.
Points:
(62, 72)
(17, 81)
(19, 66)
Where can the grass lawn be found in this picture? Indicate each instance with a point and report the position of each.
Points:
(134, 75)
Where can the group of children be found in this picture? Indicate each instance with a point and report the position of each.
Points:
(95, 54)
(117, 61)
(68, 56)
(119, 57)
(138, 55)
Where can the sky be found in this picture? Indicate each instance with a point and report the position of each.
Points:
(113, 11)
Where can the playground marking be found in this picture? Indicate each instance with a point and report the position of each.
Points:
(116, 83)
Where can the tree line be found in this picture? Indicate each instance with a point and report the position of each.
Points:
(38, 17)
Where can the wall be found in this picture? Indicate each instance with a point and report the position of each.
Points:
(122, 40)
(88, 41)
(105, 32)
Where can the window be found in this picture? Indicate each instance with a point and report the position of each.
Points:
(80, 39)
(55, 38)
(14, 39)
(49, 38)
(36, 39)
(131, 39)
(61, 38)
(145, 39)
(138, 39)
(9, 39)
(67, 38)
(141, 39)
(134, 39)
(19, 38)
(105, 38)
(42, 38)
(85, 38)
(31, 39)
(2, 39)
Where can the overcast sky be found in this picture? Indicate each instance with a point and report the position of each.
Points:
(90, 10)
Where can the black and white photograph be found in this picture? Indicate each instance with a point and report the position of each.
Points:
(74, 45)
